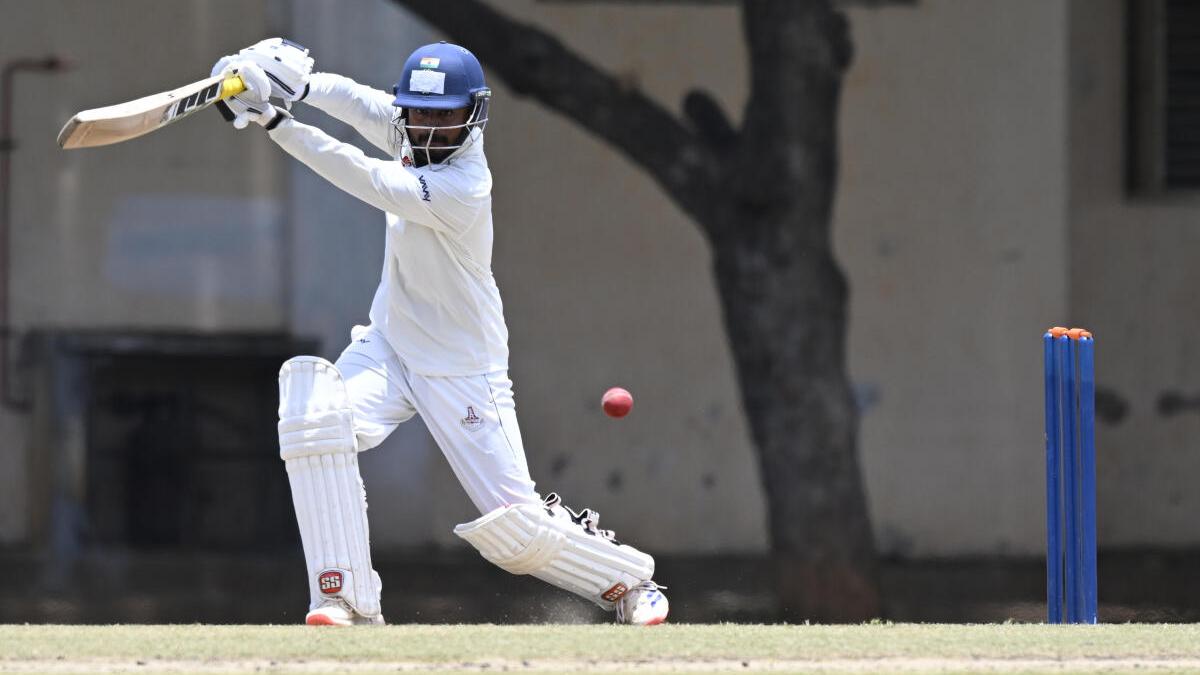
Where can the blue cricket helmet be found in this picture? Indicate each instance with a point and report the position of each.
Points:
(441, 76)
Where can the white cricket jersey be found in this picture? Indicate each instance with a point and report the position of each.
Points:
(437, 303)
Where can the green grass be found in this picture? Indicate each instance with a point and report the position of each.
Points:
(711, 648)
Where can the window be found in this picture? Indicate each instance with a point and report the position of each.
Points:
(1164, 95)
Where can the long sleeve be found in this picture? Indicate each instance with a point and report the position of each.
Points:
(433, 199)
(366, 109)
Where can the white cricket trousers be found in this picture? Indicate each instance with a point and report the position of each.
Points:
(473, 418)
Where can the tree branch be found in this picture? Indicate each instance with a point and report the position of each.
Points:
(798, 52)
(709, 121)
(536, 64)
(794, 48)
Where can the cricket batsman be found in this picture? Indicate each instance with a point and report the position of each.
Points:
(436, 345)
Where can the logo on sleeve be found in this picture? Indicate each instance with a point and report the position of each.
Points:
(424, 188)
(472, 422)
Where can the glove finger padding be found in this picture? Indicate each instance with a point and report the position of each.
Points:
(286, 64)
(227, 108)
(223, 64)
(251, 105)
(236, 109)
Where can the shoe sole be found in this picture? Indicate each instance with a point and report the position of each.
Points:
(320, 620)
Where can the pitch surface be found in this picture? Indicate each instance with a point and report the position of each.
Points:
(909, 648)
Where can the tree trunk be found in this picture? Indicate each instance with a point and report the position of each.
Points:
(785, 315)
(784, 301)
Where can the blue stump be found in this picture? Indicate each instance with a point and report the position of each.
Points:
(1070, 389)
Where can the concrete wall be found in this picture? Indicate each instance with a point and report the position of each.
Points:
(980, 202)
(606, 283)
(951, 221)
(1134, 281)
(181, 230)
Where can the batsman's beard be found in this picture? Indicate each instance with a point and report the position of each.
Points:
(432, 147)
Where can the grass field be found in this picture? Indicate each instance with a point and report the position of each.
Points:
(1015, 648)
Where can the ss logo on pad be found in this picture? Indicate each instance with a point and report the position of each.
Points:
(330, 582)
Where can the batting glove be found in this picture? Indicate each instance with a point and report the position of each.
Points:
(252, 105)
(286, 64)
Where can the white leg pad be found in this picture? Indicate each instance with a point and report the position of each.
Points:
(528, 539)
(317, 445)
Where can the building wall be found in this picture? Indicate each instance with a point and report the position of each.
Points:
(1134, 281)
(951, 222)
(980, 202)
(178, 231)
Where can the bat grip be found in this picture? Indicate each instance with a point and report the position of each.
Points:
(232, 86)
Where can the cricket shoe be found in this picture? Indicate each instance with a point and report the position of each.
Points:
(643, 605)
(338, 613)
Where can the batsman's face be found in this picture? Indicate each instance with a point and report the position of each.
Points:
(441, 136)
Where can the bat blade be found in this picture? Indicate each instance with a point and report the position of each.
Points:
(123, 121)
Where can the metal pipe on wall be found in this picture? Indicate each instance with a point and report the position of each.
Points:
(8, 144)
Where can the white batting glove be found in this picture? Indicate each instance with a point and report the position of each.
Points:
(233, 109)
(252, 105)
(286, 64)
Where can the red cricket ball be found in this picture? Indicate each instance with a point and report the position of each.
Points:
(617, 402)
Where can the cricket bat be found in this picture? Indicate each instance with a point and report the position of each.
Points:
(123, 121)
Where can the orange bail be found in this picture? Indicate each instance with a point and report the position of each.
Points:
(1073, 333)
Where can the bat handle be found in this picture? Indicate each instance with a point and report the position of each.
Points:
(232, 86)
